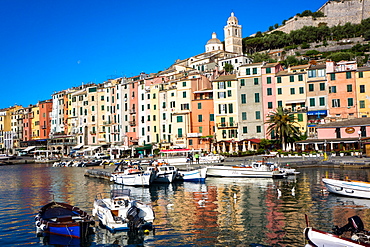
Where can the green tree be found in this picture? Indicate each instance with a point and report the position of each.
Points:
(339, 56)
(290, 61)
(283, 124)
(260, 57)
(312, 52)
(228, 67)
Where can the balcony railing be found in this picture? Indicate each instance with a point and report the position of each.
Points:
(107, 122)
(132, 111)
(132, 123)
(226, 125)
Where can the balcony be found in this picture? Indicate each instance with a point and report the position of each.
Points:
(296, 109)
(107, 122)
(132, 123)
(43, 126)
(93, 132)
(132, 111)
(227, 125)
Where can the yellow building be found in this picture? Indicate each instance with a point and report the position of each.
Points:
(35, 122)
(181, 118)
(363, 101)
(226, 109)
(291, 93)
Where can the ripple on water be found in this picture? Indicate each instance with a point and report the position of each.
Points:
(221, 212)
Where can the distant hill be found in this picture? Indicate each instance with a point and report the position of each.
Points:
(334, 13)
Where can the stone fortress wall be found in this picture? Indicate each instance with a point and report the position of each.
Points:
(336, 13)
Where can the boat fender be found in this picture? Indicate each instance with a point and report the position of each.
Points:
(37, 217)
(43, 227)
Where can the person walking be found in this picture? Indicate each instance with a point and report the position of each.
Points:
(196, 156)
(190, 158)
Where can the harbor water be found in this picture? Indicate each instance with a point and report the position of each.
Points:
(220, 212)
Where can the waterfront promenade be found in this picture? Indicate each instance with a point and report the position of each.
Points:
(295, 162)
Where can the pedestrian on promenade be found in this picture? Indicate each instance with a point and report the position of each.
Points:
(190, 158)
(196, 155)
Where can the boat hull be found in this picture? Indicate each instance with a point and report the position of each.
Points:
(73, 230)
(165, 177)
(198, 175)
(323, 239)
(348, 188)
(119, 213)
(229, 171)
(140, 179)
(64, 220)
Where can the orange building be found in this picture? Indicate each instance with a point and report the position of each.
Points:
(202, 119)
(45, 108)
(342, 89)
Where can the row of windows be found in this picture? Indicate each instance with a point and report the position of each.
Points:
(311, 74)
(335, 102)
(244, 98)
(258, 129)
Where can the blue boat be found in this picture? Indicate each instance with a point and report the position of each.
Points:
(192, 175)
(56, 218)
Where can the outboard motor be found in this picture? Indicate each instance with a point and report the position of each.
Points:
(354, 225)
(133, 217)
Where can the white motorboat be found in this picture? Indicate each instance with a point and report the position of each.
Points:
(259, 169)
(359, 236)
(119, 212)
(348, 187)
(288, 171)
(7, 157)
(211, 158)
(192, 175)
(163, 174)
(133, 177)
(186, 156)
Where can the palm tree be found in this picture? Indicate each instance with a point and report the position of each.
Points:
(283, 124)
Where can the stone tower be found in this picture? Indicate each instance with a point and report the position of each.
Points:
(233, 35)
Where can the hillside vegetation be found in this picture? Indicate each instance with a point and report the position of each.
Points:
(309, 34)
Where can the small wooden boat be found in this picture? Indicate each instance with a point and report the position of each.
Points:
(62, 219)
(117, 211)
(348, 187)
(359, 236)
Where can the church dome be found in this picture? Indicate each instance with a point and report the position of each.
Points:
(214, 40)
(232, 20)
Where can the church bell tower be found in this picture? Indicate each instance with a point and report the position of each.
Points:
(233, 35)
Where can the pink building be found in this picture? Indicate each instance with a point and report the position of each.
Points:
(269, 80)
(339, 136)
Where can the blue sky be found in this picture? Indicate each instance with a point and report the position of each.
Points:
(51, 45)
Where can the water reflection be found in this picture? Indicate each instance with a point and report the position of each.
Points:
(227, 212)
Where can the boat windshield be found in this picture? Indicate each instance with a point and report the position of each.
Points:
(120, 193)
